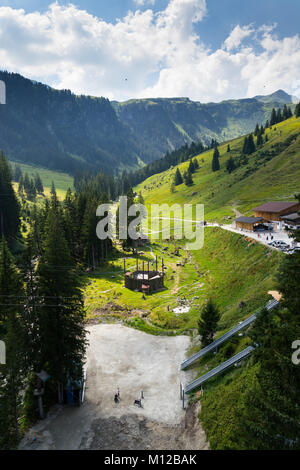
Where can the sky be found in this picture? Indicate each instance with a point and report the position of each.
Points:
(207, 50)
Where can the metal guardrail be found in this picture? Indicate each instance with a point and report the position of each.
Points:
(217, 370)
(224, 337)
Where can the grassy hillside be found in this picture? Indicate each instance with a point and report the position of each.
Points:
(62, 181)
(233, 268)
(229, 268)
(272, 173)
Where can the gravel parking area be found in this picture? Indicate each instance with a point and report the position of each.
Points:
(133, 361)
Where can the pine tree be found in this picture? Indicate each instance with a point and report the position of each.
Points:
(249, 146)
(178, 178)
(9, 205)
(285, 113)
(187, 178)
(38, 184)
(215, 160)
(256, 132)
(297, 110)
(61, 326)
(228, 148)
(279, 116)
(208, 322)
(259, 140)
(53, 190)
(273, 119)
(196, 164)
(11, 292)
(191, 168)
(70, 219)
(230, 165)
(128, 242)
(245, 146)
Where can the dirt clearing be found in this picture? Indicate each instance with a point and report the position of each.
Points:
(133, 361)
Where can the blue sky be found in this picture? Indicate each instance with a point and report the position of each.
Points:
(165, 48)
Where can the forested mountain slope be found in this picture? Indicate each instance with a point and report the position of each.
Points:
(59, 130)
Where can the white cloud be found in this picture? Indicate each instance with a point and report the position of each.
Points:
(236, 37)
(146, 54)
(144, 2)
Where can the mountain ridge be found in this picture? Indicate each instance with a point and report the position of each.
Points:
(62, 131)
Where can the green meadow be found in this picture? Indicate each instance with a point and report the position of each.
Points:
(62, 181)
(272, 173)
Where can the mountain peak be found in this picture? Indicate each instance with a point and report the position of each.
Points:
(279, 96)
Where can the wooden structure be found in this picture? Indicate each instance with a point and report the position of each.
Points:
(248, 223)
(291, 220)
(145, 280)
(272, 211)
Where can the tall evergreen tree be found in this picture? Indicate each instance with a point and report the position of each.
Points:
(11, 292)
(285, 113)
(297, 110)
(38, 184)
(178, 178)
(230, 165)
(9, 206)
(259, 140)
(187, 178)
(208, 322)
(249, 146)
(273, 119)
(61, 318)
(215, 161)
(191, 168)
(279, 116)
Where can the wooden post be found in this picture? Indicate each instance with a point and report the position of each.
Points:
(143, 270)
(137, 263)
(124, 266)
(156, 263)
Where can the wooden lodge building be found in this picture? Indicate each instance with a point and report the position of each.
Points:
(248, 223)
(279, 214)
(272, 211)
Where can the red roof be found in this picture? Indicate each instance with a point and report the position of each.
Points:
(275, 206)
